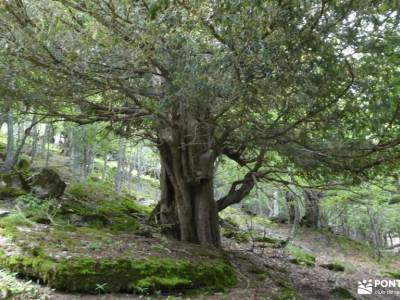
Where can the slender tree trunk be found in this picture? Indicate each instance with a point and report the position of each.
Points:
(48, 135)
(290, 201)
(20, 130)
(34, 146)
(139, 166)
(10, 140)
(119, 178)
(105, 166)
(75, 154)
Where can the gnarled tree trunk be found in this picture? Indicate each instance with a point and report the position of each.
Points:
(311, 202)
(188, 210)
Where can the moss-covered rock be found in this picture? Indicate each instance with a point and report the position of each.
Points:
(47, 184)
(14, 179)
(237, 235)
(266, 239)
(121, 275)
(300, 257)
(23, 166)
(334, 266)
(96, 205)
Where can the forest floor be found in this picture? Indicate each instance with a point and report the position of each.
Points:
(262, 269)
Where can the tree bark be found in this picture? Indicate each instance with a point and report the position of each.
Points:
(188, 210)
(311, 217)
(290, 201)
(34, 146)
(10, 140)
(119, 177)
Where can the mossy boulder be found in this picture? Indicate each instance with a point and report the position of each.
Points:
(121, 275)
(300, 256)
(46, 184)
(334, 266)
(14, 179)
(95, 204)
(13, 184)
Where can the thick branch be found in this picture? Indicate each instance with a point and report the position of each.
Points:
(235, 194)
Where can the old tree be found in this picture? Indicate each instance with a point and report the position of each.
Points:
(286, 89)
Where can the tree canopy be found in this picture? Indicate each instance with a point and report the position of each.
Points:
(291, 90)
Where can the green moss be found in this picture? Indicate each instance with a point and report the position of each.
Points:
(121, 275)
(229, 223)
(11, 192)
(238, 236)
(286, 294)
(286, 291)
(24, 166)
(394, 275)
(9, 223)
(342, 293)
(336, 267)
(155, 283)
(266, 239)
(260, 272)
(301, 257)
(99, 206)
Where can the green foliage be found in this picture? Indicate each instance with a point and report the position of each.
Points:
(36, 209)
(277, 75)
(364, 208)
